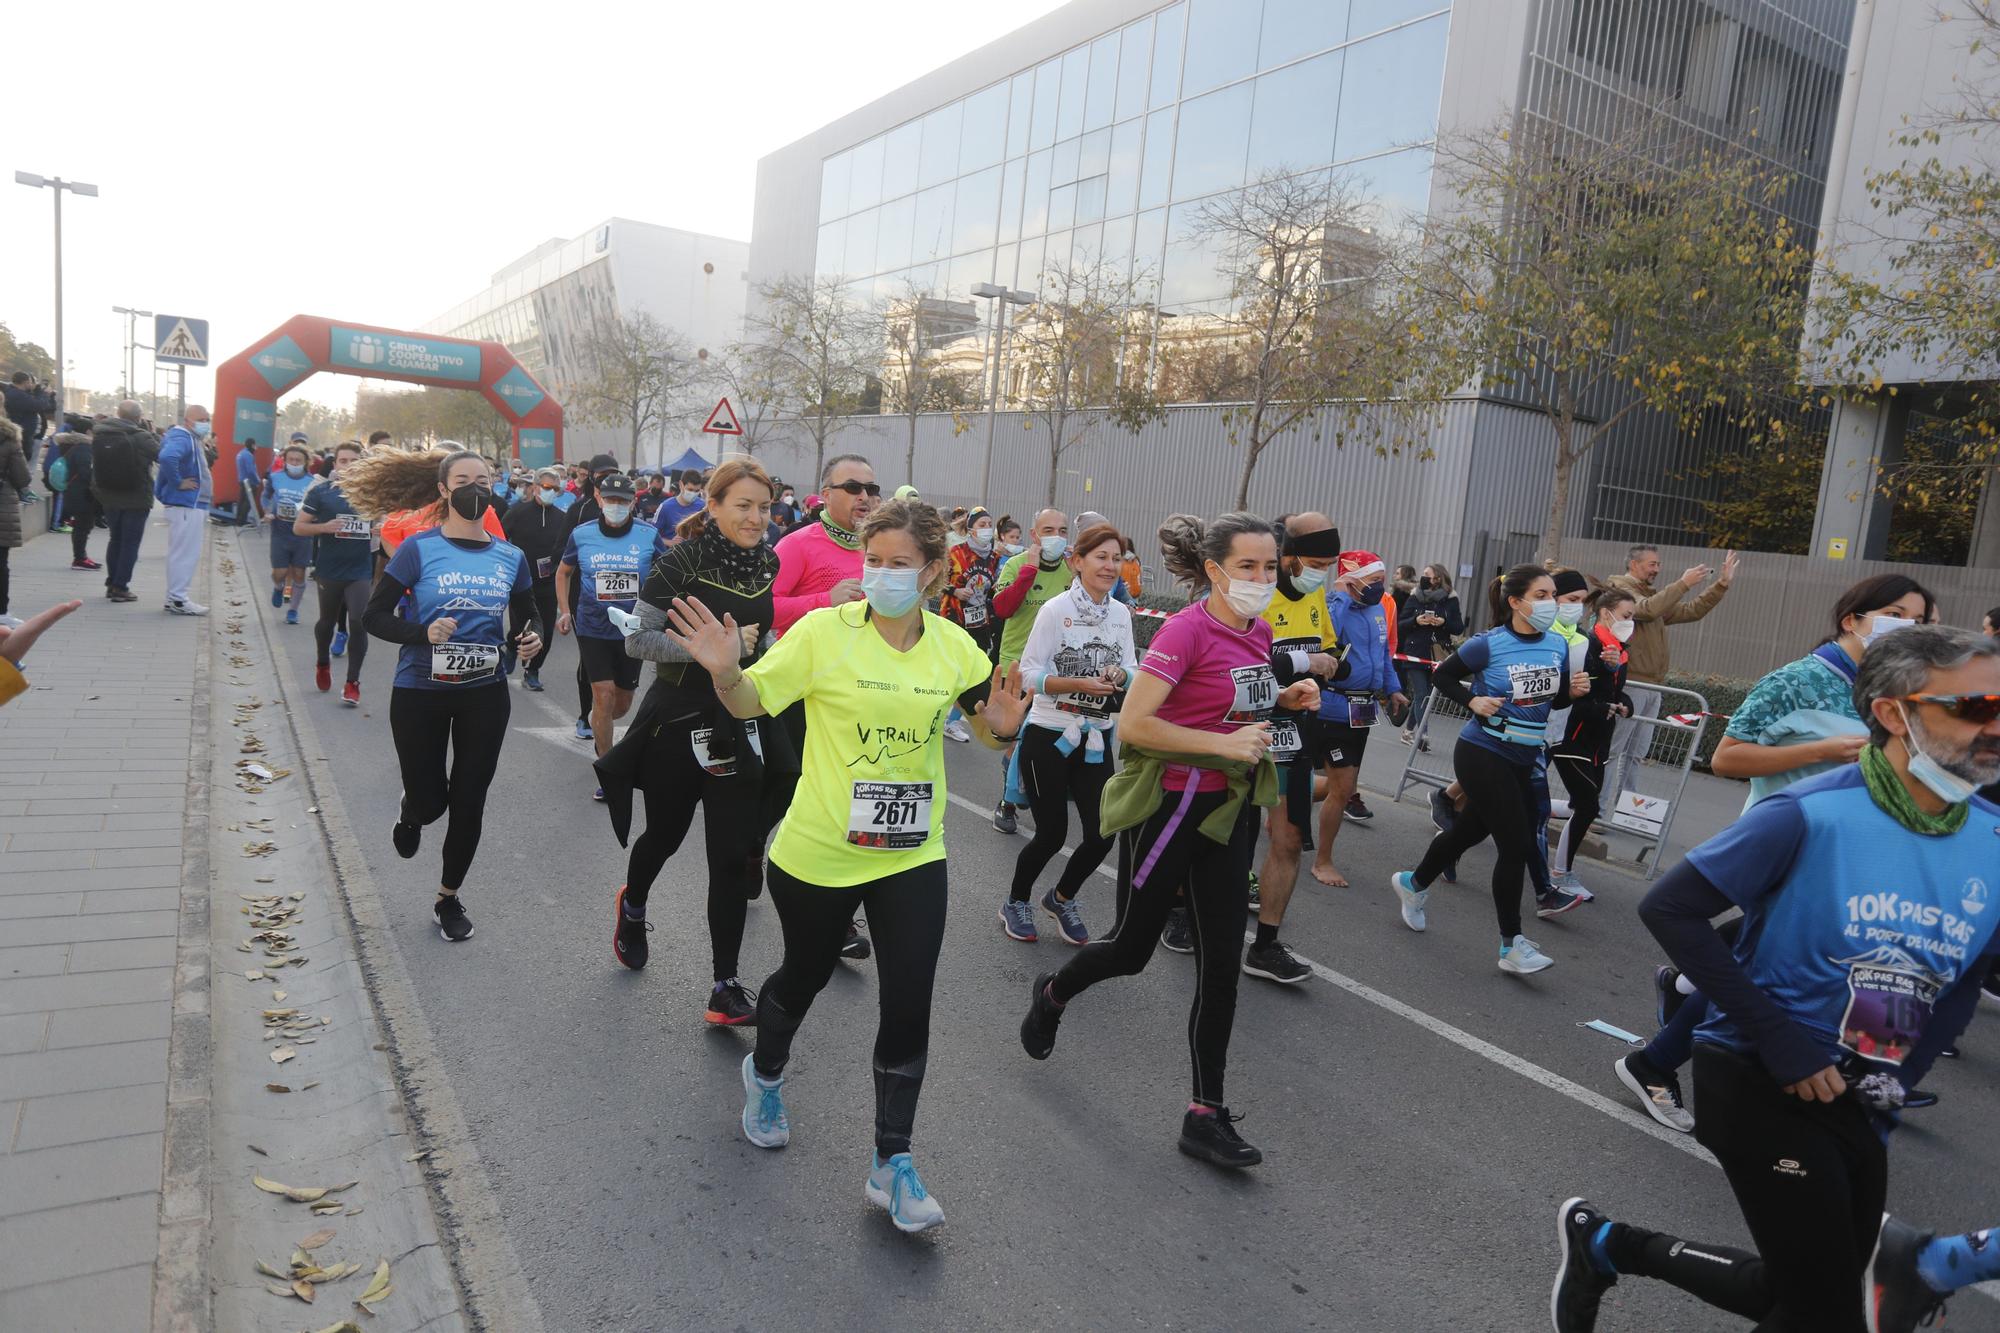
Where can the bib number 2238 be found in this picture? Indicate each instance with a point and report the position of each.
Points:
(890, 816)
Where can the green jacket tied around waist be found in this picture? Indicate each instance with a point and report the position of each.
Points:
(1136, 789)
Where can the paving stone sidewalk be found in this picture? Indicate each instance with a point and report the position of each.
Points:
(95, 808)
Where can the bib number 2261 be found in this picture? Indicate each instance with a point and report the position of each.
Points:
(890, 816)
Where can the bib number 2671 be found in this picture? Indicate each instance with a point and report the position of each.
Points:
(890, 816)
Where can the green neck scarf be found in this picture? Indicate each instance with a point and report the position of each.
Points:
(847, 541)
(1890, 793)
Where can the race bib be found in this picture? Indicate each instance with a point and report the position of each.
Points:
(975, 616)
(457, 663)
(1256, 693)
(890, 816)
(616, 585)
(1527, 683)
(1887, 1011)
(288, 510)
(352, 525)
(702, 739)
(545, 567)
(1286, 744)
(1362, 710)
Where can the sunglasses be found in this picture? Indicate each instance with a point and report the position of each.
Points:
(1978, 709)
(857, 488)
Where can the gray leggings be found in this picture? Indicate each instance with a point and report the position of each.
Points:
(334, 594)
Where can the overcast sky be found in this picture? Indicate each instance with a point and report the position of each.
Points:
(378, 162)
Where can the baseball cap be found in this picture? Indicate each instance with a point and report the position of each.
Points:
(907, 492)
(614, 486)
(604, 463)
(300, 437)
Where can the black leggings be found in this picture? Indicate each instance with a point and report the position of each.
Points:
(470, 723)
(545, 611)
(1162, 854)
(1500, 801)
(906, 918)
(336, 596)
(4, 579)
(673, 784)
(1583, 778)
(1052, 780)
(1811, 1179)
(80, 509)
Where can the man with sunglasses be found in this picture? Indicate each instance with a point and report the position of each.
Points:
(1869, 920)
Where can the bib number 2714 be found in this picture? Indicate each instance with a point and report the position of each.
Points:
(890, 816)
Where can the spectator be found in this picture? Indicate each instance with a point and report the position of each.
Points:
(248, 486)
(1429, 622)
(1646, 652)
(182, 487)
(14, 479)
(123, 452)
(1990, 625)
(29, 406)
(71, 481)
(1130, 574)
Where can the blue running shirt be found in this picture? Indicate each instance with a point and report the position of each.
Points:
(1529, 671)
(611, 568)
(472, 585)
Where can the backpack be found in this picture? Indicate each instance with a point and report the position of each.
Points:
(117, 464)
(59, 474)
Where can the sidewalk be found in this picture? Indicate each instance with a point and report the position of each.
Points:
(100, 827)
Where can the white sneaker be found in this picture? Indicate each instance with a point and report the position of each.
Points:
(957, 730)
(1567, 881)
(1412, 899)
(1523, 957)
(186, 609)
(893, 1185)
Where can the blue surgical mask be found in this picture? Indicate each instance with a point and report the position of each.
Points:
(1309, 580)
(295, 470)
(201, 429)
(616, 514)
(1012, 548)
(1946, 785)
(1054, 547)
(891, 592)
(1541, 615)
(546, 494)
(1570, 613)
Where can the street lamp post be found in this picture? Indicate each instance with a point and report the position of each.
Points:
(1001, 298)
(58, 184)
(132, 318)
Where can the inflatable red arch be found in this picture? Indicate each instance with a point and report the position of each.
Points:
(249, 384)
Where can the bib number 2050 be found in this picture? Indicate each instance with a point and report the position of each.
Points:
(890, 816)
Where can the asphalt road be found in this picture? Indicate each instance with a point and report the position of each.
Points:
(1421, 1113)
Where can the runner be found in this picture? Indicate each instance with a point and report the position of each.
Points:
(1008, 532)
(1302, 629)
(1572, 601)
(683, 748)
(1585, 747)
(1079, 658)
(448, 695)
(588, 509)
(1522, 673)
(1026, 581)
(290, 553)
(866, 828)
(1867, 926)
(542, 532)
(968, 597)
(1348, 713)
(606, 555)
(343, 560)
(1196, 767)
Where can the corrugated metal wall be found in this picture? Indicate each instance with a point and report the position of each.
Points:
(1782, 605)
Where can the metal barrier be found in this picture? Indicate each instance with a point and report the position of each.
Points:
(1642, 813)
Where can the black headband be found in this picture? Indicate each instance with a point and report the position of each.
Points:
(1321, 545)
(1569, 581)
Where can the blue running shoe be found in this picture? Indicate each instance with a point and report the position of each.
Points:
(1410, 899)
(764, 1122)
(533, 680)
(893, 1186)
(1068, 920)
(292, 616)
(1018, 920)
(582, 730)
(277, 597)
(339, 642)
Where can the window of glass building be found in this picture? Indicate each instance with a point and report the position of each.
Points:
(1135, 52)
(1375, 15)
(1063, 161)
(1397, 186)
(1062, 207)
(1012, 177)
(899, 159)
(1389, 96)
(1170, 27)
(1103, 94)
(865, 190)
(832, 251)
(892, 239)
(1090, 199)
(1291, 124)
(860, 244)
(1020, 110)
(1122, 190)
(1075, 83)
(939, 160)
(1191, 271)
(983, 139)
(976, 213)
(1093, 154)
(1158, 169)
(1214, 142)
(833, 177)
(932, 236)
(1048, 94)
(1294, 28)
(1035, 205)
(1221, 44)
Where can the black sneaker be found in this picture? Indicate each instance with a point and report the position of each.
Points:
(731, 1006)
(1919, 1101)
(1038, 1029)
(1580, 1285)
(1213, 1138)
(1443, 813)
(1556, 902)
(1003, 818)
(453, 924)
(1357, 810)
(1177, 936)
(1898, 1297)
(1274, 962)
(628, 936)
(856, 945)
(407, 837)
(1949, 1053)
(1667, 998)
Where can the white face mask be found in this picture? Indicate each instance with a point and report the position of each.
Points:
(1569, 613)
(1309, 580)
(1883, 624)
(1248, 599)
(616, 514)
(1946, 785)
(546, 494)
(1621, 630)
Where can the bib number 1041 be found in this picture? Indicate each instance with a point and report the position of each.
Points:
(890, 816)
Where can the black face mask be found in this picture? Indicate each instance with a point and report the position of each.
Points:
(471, 502)
(1426, 583)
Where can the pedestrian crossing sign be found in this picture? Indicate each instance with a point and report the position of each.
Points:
(180, 340)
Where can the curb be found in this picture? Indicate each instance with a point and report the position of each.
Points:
(493, 1289)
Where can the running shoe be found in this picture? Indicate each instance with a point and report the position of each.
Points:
(1580, 1283)
(453, 924)
(85, 563)
(957, 730)
(1038, 1029)
(856, 945)
(628, 936)
(350, 694)
(1443, 813)
(292, 616)
(121, 595)
(764, 1122)
(407, 838)
(1256, 892)
(1949, 1053)
(1567, 881)
(1555, 902)
(1412, 899)
(1523, 957)
(1017, 918)
(731, 1006)
(277, 597)
(1003, 818)
(893, 1186)
(1919, 1101)
(1357, 810)
(323, 677)
(598, 796)
(1213, 1138)
(1667, 997)
(339, 642)
(1658, 1091)
(582, 730)
(1899, 1299)
(185, 609)
(1274, 962)
(1177, 937)
(533, 681)
(1067, 918)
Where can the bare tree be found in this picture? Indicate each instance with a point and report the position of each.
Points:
(918, 331)
(639, 369)
(748, 376)
(812, 333)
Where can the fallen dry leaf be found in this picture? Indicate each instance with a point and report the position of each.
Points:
(417, 1156)
(310, 1194)
(378, 1287)
(304, 1291)
(317, 1239)
(254, 974)
(282, 1054)
(269, 1271)
(310, 1086)
(259, 1151)
(278, 1087)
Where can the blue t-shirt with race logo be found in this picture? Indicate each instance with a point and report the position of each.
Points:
(1529, 671)
(285, 494)
(469, 582)
(611, 568)
(348, 552)
(1853, 924)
